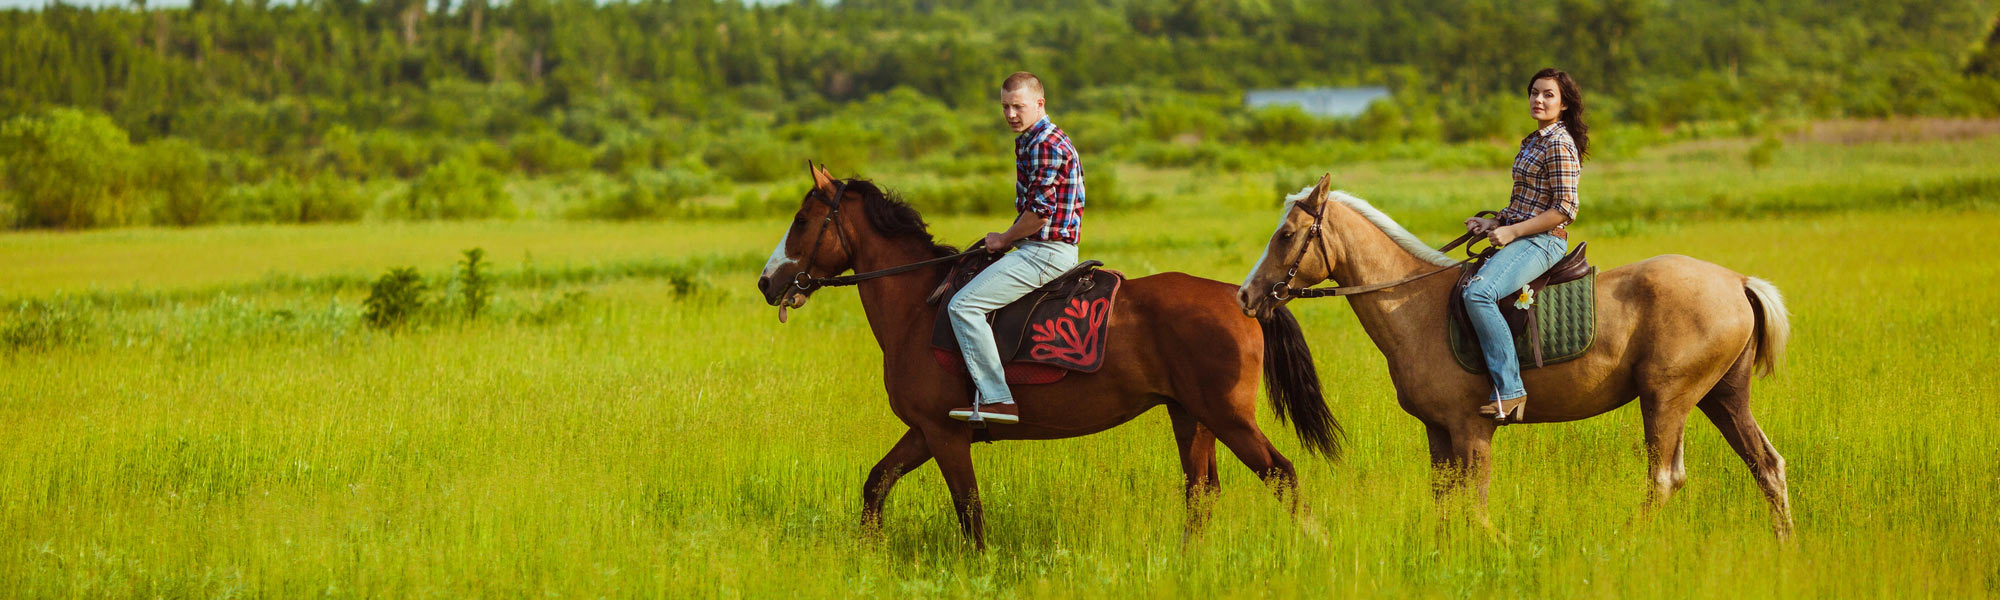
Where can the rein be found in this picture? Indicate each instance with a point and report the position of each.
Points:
(805, 282)
(1282, 290)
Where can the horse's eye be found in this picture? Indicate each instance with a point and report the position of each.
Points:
(1284, 234)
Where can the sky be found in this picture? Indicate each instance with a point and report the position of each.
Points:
(6, 4)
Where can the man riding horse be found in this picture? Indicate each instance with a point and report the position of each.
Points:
(1048, 195)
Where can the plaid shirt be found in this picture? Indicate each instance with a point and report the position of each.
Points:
(1545, 176)
(1048, 181)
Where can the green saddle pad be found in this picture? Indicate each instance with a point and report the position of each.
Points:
(1568, 320)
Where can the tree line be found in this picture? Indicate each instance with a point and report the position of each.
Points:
(259, 111)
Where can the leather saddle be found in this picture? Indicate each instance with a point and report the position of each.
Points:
(1571, 267)
(1060, 327)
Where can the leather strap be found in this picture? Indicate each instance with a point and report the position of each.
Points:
(1282, 290)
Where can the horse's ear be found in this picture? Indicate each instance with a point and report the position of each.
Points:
(1319, 191)
(821, 179)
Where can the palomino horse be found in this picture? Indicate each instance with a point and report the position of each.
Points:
(1174, 339)
(1675, 332)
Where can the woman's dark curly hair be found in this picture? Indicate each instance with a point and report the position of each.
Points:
(1572, 112)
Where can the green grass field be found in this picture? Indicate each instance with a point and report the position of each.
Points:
(201, 413)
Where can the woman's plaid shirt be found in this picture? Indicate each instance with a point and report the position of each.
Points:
(1048, 181)
(1545, 175)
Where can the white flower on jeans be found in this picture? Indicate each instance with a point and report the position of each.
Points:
(1526, 299)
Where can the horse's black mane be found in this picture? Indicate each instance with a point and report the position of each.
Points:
(892, 217)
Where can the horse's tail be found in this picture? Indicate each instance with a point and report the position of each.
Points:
(1774, 324)
(1293, 384)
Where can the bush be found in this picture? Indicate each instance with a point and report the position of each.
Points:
(285, 199)
(37, 326)
(394, 298)
(394, 152)
(976, 196)
(751, 156)
(67, 168)
(546, 151)
(459, 188)
(474, 286)
(1761, 154)
(1282, 125)
(646, 195)
(176, 174)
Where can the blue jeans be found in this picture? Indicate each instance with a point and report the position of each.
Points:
(1031, 265)
(1501, 280)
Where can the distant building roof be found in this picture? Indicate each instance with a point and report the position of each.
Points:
(1324, 102)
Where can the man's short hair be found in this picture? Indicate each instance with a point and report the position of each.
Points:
(1022, 79)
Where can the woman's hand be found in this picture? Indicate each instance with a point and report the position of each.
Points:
(1481, 224)
(1501, 236)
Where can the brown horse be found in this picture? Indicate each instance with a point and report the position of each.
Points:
(1675, 332)
(1174, 339)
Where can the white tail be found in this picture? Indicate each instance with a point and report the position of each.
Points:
(1774, 324)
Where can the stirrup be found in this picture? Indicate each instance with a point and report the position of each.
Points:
(1502, 412)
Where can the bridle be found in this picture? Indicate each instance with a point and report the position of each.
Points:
(804, 282)
(1282, 290)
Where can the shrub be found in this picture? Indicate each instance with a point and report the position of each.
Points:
(1761, 154)
(67, 168)
(394, 298)
(1284, 124)
(394, 152)
(474, 286)
(546, 151)
(459, 188)
(176, 174)
(646, 195)
(37, 326)
(286, 199)
(751, 156)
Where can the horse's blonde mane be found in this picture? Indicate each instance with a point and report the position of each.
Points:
(1380, 220)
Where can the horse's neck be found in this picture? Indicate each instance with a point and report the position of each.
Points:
(895, 305)
(1397, 318)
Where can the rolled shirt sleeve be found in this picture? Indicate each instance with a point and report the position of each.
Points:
(1563, 169)
(1046, 176)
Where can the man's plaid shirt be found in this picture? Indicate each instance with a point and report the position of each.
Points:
(1048, 181)
(1545, 175)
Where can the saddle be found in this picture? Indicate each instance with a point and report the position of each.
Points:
(1058, 328)
(1559, 326)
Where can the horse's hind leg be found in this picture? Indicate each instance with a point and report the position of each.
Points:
(1250, 446)
(908, 454)
(1197, 445)
(1728, 406)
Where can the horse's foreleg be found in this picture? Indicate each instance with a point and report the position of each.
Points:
(1472, 458)
(952, 447)
(1197, 446)
(908, 454)
(1446, 475)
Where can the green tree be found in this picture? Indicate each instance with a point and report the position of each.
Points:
(67, 168)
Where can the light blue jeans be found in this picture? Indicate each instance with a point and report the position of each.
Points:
(1501, 280)
(1031, 265)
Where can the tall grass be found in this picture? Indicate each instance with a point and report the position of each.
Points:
(663, 435)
